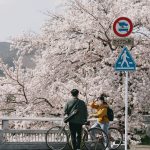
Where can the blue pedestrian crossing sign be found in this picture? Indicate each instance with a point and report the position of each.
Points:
(125, 62)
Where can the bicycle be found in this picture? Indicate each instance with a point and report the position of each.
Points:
(115, 137)
(95, 138)
(61, 136)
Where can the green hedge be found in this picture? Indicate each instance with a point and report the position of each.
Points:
(145, 140)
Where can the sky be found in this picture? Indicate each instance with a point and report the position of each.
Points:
(19, 16)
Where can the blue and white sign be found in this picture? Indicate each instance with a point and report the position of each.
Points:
(125, 62)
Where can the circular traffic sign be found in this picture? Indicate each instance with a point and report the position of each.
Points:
(123, 26)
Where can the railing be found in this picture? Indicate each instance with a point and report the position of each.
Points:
(25, 139)
(23, 135)
(29, 139)
(34, 135)
(9, 135)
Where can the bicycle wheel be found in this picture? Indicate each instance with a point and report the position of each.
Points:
(97, 139)
(84, 138)
(56, 138)
(115, 138)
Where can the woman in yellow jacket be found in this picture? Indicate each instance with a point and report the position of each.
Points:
(101, 113)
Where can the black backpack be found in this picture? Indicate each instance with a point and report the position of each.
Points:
(110, 114)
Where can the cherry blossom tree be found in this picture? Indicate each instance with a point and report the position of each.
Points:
(74, 50)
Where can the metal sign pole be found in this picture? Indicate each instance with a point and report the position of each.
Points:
(126, 111)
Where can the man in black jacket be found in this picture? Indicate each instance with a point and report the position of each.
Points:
(76, 122)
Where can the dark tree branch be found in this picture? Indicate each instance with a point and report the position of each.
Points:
(45, 100)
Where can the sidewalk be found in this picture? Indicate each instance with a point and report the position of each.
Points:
(140, 147)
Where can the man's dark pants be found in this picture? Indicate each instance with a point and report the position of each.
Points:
(76, 133)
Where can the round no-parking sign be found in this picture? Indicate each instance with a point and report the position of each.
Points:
(123, 26)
